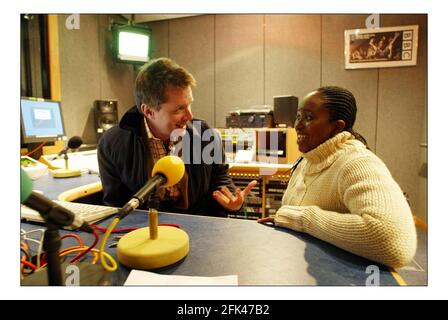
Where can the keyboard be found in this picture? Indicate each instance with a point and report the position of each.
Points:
(90, 213)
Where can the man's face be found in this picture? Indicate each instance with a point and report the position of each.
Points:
(174, 113)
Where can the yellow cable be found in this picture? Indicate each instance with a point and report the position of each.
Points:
(114, 266)
(95, 253)
(95, 259)
(101, 253)
(77, 249)
(397, 277)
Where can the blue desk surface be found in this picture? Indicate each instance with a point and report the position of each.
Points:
(258, 254)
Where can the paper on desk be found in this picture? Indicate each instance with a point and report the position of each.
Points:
(142, 278)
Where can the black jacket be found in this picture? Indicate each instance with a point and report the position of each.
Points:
(123, 164)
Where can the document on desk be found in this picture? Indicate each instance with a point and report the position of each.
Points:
(145, 278)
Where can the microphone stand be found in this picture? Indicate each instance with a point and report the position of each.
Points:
(66, 160)
(89, 274)
(59, 154)
(65, 173)
(164, 246)
(51, 245)
(154, 200)
(153, 218)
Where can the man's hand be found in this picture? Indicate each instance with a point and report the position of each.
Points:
(233, 202)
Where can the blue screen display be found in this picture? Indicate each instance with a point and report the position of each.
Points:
(41, 118)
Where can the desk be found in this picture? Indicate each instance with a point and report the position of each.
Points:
(258, 254)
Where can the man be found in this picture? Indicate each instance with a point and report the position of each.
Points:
(160, 123)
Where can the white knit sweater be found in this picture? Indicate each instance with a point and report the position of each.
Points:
(344, 194)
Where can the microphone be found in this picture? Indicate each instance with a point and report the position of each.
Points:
(166, 172)
(73, 143)
(50, 211)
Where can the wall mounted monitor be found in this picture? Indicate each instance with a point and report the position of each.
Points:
(131, 44)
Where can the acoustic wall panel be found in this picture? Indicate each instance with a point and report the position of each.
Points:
(191, 44)
(160, 40)
(402, 114)
(293, 53)
(362, 82)
(80, 75)
(239, 63)
(117, 79)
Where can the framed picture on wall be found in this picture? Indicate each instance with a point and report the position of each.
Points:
(381, 47)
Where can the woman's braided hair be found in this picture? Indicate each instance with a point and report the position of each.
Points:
(342, 106)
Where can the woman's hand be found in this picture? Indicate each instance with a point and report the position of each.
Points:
(233, 202)
(266, 220)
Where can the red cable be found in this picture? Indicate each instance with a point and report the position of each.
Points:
(23, 259)
(88, 249)
(38, 147)
(28, 264)
(72, 235)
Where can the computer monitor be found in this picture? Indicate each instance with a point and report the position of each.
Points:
(41, 120)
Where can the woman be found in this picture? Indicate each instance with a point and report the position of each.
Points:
(341, 192)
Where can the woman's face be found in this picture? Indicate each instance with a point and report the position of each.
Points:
(313, 125)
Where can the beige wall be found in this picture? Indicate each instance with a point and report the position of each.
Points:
(196, 52)
(245, 60)
(88, 73)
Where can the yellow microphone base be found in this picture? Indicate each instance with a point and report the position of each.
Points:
(65, 173)
(137, 250)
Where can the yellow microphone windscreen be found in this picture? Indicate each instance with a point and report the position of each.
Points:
(172, 167)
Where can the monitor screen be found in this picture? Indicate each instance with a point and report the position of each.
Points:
(41, 120)
(131, 44)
